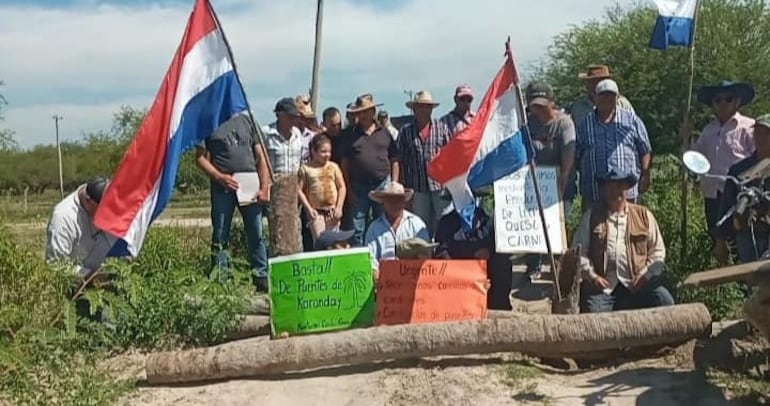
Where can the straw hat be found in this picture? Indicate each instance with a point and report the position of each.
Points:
(595, 72)
(422, 97)
(303, 105)
(363, 102)
(392, 189)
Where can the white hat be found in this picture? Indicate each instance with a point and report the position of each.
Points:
(607, 85)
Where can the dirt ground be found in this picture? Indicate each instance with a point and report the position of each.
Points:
(473, 380)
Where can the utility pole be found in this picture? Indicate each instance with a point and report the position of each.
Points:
(56, 119)
(314, 90)
(410, 94)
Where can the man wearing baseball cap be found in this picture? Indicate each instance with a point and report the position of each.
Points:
(553, 138)
(611, 138)
(72, 237)
(462, 115)
(738, 227)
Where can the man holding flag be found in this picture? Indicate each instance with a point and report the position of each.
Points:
(201, 90)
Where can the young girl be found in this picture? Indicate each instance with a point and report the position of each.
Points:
(321, 187)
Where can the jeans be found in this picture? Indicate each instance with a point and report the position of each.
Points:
(430, 207)
(654, 294)
(361, 206)
(535, 261)
(223, 204)
(745, 245)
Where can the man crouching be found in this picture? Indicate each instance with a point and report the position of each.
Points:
(625, 252)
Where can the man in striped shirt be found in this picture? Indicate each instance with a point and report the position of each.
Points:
(417, 144)
(461, 116)
(611, 138)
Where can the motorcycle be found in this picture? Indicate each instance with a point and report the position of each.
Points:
(750, 199)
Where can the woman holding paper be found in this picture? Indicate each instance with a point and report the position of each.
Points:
(321, 187)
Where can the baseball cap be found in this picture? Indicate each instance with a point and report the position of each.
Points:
(330, 237)
(463, 90)
(95, 188)
(286, 105)
(607, 85)
(763, 120)
(540, 94)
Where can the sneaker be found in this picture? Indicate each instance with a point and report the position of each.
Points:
(533, 274)
(262, 285)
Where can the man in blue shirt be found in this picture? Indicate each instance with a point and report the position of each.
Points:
(611, 138)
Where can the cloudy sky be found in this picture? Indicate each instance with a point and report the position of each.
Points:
(83, 59)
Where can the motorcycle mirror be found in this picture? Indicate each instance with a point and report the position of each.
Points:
(696, 162)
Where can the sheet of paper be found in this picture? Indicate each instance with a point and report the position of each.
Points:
(248, 186)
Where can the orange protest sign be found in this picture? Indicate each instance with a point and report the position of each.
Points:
(430, 291)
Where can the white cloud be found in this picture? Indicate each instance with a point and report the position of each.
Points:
(89, 59)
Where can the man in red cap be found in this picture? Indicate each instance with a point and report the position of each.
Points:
(461, 116)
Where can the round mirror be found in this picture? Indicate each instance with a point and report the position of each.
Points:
(696, 162)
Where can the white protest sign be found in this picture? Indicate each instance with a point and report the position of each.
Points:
(518, 228)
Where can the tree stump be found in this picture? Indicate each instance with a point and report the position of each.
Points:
(569, 283)
(284, 217)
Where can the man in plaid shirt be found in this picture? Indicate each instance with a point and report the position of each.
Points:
(417, 144)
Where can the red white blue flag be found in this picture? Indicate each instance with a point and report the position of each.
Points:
(200, 91)
(491, 147)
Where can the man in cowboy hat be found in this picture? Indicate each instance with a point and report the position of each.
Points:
(462, 115)
(417, 144)
(611, 138)
(593, 75)
(624, 254)
(396, 224)
(738, 228)
(366, 164)
(726, 140)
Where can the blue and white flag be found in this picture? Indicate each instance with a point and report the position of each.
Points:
(675, 25)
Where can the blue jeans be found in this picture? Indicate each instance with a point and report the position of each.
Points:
(654, 294)
(223, 204)
(361, 206)
(535, 261)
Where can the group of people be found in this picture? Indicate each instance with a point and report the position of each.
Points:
(362, 182)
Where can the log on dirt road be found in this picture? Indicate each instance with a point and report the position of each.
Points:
(549, 336)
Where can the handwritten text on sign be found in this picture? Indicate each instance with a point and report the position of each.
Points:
(414, 291)
(321, 291)
(518, 228)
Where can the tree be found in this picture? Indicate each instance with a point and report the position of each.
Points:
(7, 142)
(731, 42)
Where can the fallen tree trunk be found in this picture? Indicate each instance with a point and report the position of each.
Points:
(250, 326)
(548, 336)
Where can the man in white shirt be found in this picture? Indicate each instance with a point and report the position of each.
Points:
(72, 237)
(624, 254)
(396, 224)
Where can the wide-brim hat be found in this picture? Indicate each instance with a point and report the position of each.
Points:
(392, 189)
(304, 107)
(629, 178)
(422, 97)
(595, 72)
(744, 91)
(330, 237)
(363, 102)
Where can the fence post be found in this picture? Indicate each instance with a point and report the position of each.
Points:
(26, 200)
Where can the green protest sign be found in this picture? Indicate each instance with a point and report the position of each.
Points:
(321, 291)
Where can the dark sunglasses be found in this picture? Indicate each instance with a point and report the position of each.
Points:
(724, 99)
(466, 99)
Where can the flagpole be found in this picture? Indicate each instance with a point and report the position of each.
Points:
(533, 173)
(686, 137)
(258, 130)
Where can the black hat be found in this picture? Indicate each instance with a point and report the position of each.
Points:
(95, 188)
(618, 175)
(330, 237)
(286, 105)
(744, 91)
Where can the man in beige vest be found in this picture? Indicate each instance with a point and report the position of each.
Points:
(624, 252)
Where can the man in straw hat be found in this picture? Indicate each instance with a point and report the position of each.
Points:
(417, 144)
(726, 140)
(593, 75)
(396, 224)
(621, 272)
(366, 164)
